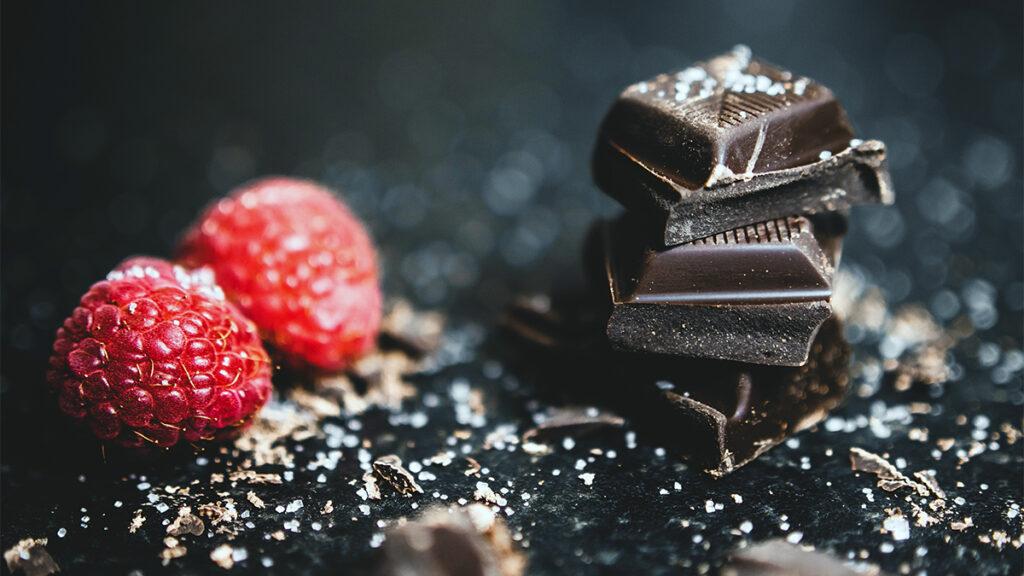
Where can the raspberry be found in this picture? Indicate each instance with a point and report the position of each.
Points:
(155, 354)
(298, 263)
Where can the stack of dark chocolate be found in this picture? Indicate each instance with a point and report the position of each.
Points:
(737, 177)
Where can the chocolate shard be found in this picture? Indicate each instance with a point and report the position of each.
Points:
(390, 469)
(723, 415)
(471, 541)
(754, 294)
(731, 141)
(779, 558)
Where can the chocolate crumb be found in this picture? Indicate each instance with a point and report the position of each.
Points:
(320, 405)
(483, 492)
(253, 477)
(186, 523)
(30, 556)
(223, 556)
(933, 486)
(137, 519)
(254, 499)
(389, 468)
(418, 333)
(172, 549)
(961, 525)
(889, 478)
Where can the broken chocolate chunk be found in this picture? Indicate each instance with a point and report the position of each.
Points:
(779, 558)
(731, 141)
(722, 415)
(753, 294)
(413, 331)
(390, 469)
(467, 542)
(29, 557)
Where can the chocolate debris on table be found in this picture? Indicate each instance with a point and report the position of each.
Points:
(470, 541)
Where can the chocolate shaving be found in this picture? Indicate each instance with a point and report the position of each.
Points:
(254, 499)
(186, 523)
(173, 549)
(929, 482)
(889, 478)
(474, 467)
(471, 541)
(389, 468)
(370, 485)
(219, 513)
(223, 556)
(272, 425)
(253, 477)
(30, 556)
(417, 333)
(483, 492)
(961, 525)
(573, 420)
(137, 520)
(383, 375)
(320, 405)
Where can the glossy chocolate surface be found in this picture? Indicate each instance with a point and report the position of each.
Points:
(778, 261)
(756, 294)
(731, 115)
(733, 141)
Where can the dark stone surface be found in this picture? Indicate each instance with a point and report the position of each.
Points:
(462, 136)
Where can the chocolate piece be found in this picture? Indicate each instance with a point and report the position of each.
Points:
(467, 542)
(779, 558)
(755, 294)
(723, 415)
(29, 556)
(415, 332)
(731, 141)
(389, 468)
(720, 415)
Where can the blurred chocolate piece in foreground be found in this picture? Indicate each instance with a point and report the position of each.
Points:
(731, 141)
(779, 558)
(753, 294)
(471, 541)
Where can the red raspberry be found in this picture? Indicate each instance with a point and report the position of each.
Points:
(298, 263)
(154, 353)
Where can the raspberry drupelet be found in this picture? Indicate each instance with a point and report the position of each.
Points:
(155, 355)
(298, 263)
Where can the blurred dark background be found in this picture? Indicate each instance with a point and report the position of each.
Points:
(461, 133)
